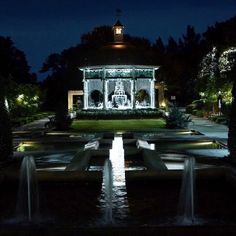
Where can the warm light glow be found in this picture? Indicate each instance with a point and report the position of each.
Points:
(203, 143)
(118, 30)
(20, 98)
(185, 132)
(163, 104)
(23, 146)
(36, 98)
(59, 168)
(118, 46)
(202, 94)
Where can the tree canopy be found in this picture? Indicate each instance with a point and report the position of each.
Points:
(13, 63)
(179, 59)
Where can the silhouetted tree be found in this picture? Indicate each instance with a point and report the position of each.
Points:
(13, 62)
(232, 127)
(99, 36)
(139, 42)
(227, 66)
(179, 64)
(171, 68)
(5, 125)
(62, 120)
(192, 50)
(221, 34)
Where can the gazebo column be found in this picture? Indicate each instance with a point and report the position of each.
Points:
(133, 89)
(103, 88)
(152, 93)
(85, 94)
(105, 98)
(70, 100)
(133, 94)
(103, 92)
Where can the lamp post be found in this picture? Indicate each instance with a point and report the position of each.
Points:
(219, 103)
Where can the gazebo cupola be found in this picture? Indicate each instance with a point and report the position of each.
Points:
(118, 30)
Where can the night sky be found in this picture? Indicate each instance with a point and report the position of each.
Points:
(41, 27)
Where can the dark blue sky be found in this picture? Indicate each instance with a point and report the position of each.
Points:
(41, 27)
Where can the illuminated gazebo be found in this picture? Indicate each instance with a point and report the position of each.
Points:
(119, 76)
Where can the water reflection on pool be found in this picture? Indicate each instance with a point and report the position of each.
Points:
(57, 146)
(130, 168)
(178, 145)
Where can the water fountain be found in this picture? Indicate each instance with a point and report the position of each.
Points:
(108, 191)
(152, 196)
(119, 98)
(114, 184)
(186, 200)
(27, 208)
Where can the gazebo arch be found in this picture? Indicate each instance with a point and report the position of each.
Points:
(71, 94)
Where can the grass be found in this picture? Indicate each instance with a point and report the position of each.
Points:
(118, 125)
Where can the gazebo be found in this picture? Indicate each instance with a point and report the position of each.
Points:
(119, 76)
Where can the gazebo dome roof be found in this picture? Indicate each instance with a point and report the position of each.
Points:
(118, 23)
(122, 53)
(118, 52)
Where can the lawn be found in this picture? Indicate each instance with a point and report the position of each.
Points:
(118, 125)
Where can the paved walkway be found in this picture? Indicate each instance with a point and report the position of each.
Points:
(33, 126)
(212, 130)
(209, 128)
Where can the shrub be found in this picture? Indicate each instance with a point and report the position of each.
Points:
(220, 119)
(62, 119)
(199, 113)
(177, 119)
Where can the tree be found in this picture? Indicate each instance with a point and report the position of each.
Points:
(176, 119)
(62, 119)
(15, 71)
(179, 64)
(171, 67)
(98, 37)
(222, 34)
(5, 126)
(214, 78)
(208, 76)
(227, 65)
(159, 50)
(232, 127)
(26, 100)
(215, 73)
(13, 62)
(192, 49)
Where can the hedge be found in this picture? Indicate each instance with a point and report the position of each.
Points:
(120, 114)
